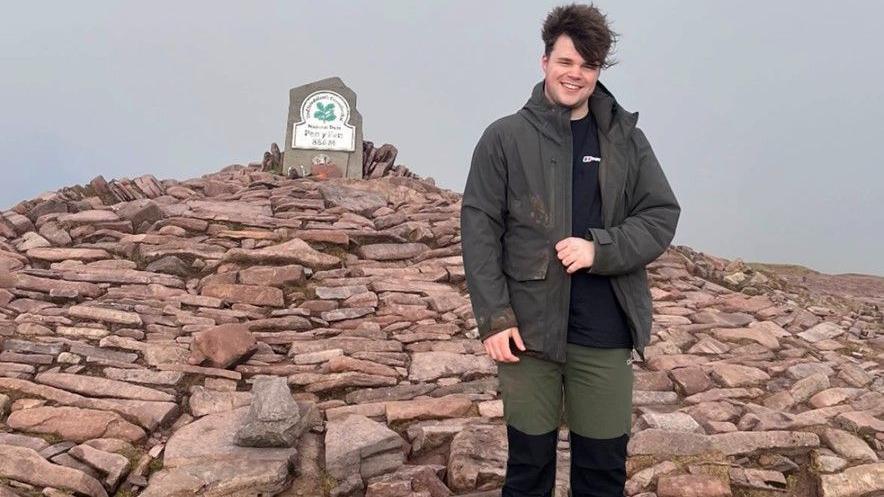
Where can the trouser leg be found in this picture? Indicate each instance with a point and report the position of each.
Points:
(531, 464)
(531, 390)
(598, 404)
(598, 466)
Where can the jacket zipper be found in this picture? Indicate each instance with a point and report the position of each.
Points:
(617, 288)
(566, 214)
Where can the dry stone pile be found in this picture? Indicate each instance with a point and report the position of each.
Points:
(247, 334)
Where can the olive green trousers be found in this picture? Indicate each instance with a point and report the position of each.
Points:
(591, 392)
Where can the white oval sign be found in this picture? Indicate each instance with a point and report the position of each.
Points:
(324, 123)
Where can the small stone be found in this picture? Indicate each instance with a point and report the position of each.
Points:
(349, 440)
(856, 481)
(450, 406)
(113, 466)
(223, 346)
(692, 486)
(653, 441)
(826, 461)
(854, 375)
(673, 421)
(274, 419)
(691, 379)
(477, 458)
(805, 388)
(391, 251)
(106, 315)
(247, 294)
(848, 445)
(736, 375)
(805, 369)
(823, 331)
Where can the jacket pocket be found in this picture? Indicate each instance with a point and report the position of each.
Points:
(529, 291)
(522, 266)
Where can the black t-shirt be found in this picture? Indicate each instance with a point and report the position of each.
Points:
(595, 317)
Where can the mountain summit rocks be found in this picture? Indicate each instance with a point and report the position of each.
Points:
(247, 332)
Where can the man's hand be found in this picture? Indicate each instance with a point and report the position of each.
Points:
(498, 345)
(575, 253)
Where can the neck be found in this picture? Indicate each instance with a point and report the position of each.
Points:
(578, 112)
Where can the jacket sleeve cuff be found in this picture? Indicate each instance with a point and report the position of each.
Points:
(600, 240)
(498, 321)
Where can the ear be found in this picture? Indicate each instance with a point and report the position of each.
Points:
(544, 62)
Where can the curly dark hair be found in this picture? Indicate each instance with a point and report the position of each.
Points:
(587, 26)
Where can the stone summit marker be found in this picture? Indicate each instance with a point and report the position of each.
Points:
(324, 132)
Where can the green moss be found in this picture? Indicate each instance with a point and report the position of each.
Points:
(308, 291)
(14, 395)
(334, 250)
(133, 455)
(155, 465)
(125, 492)
(327, 482)
(51, 438)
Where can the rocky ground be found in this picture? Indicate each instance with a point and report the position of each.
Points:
(151, 331)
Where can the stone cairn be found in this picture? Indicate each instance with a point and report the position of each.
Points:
(376, 162)
(243, 333)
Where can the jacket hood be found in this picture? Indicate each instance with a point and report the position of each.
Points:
(553, 120)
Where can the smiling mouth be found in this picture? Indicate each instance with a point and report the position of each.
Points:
(571, 86)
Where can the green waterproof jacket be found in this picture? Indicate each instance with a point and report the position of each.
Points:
(517, 206)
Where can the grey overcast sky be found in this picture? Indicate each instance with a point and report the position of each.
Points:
(766, 116)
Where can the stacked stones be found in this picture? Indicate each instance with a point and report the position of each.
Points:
(245, 332)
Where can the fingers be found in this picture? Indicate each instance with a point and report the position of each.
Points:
(518, 339)
(505, 353)
(498, 346)
(565, 242)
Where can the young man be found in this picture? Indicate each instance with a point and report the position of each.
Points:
(565, 204)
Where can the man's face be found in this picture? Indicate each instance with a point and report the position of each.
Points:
(569, 80)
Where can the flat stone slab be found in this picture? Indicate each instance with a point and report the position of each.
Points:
(351, 439)
(89, 217)
(848, 445)
(737, 375)
(678, 443)
(747, 442)
(106, 315)
(823, 331)
(95, 386)
(655, 442)
(26, 465)
(247, 294)
(211, 439)
(149, 414)
(756, 334)
(221, 478)
(692, 486)
(63, 254)
(74, 423)
(853, 482)
(430, 366)
(294, 251)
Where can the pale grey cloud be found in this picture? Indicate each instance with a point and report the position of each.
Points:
(766, 116)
